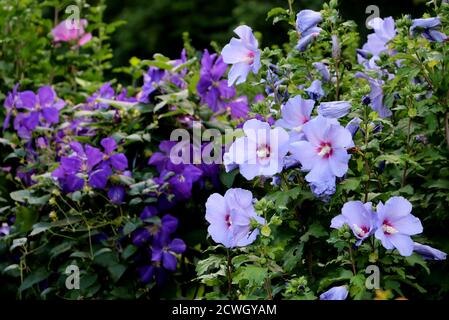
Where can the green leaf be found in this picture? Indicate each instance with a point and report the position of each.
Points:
(211, 263)
(116, 271)
(34, 278)
(21, 195)
(129, 251)
(40, 227)
(227, 178)
(20, 242)
(315, 230)
(351, 184)
(61, 248)
(25, 218)
(253, 274)
(416, 259)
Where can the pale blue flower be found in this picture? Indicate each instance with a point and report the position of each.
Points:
(230, 218)
(334, 109)
(335, 293)
(243, 54)
(396, 224)
(260, 152)
(360, 218)
(324, 154)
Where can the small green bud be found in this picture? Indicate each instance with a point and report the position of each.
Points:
(266, 231)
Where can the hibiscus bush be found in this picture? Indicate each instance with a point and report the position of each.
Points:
(315, 170)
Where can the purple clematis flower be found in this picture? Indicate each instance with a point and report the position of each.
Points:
(212, 90)
(116, 194)
(428, 28)
(295, 114)
(230, 218)
(306, 25)
(82, 162)
(182, 181)
(260, 152)
(428, 253)
(243, 54)
(359, 217)
(376, 95)
(105, 92)
(239, 108)
(166, 255)
(118, 161)
(162, 159)
(151, 81)
(315, 91)
(10, 105)
(71, 31)
(159, 232)
(335, 293)
(43, 106)
(396, 224)
(324, 154)
(334, 110)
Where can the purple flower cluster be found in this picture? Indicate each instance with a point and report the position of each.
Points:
(157, 238)
(393, 225)
(89, 166)
(181, 176)
(32, 110)
(155, 77)
(212, 89)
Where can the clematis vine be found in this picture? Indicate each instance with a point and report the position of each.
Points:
(40, 109)
(243, 54)
(211, 88)
(230, 217)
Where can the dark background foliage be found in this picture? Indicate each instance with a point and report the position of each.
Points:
(157, 25)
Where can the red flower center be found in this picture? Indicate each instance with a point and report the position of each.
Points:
(388, 228)
(325, 150)
(228, 220)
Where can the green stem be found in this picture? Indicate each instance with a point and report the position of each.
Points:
(354, 271)
(229, 273)
(404, 174)
(446, 127)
